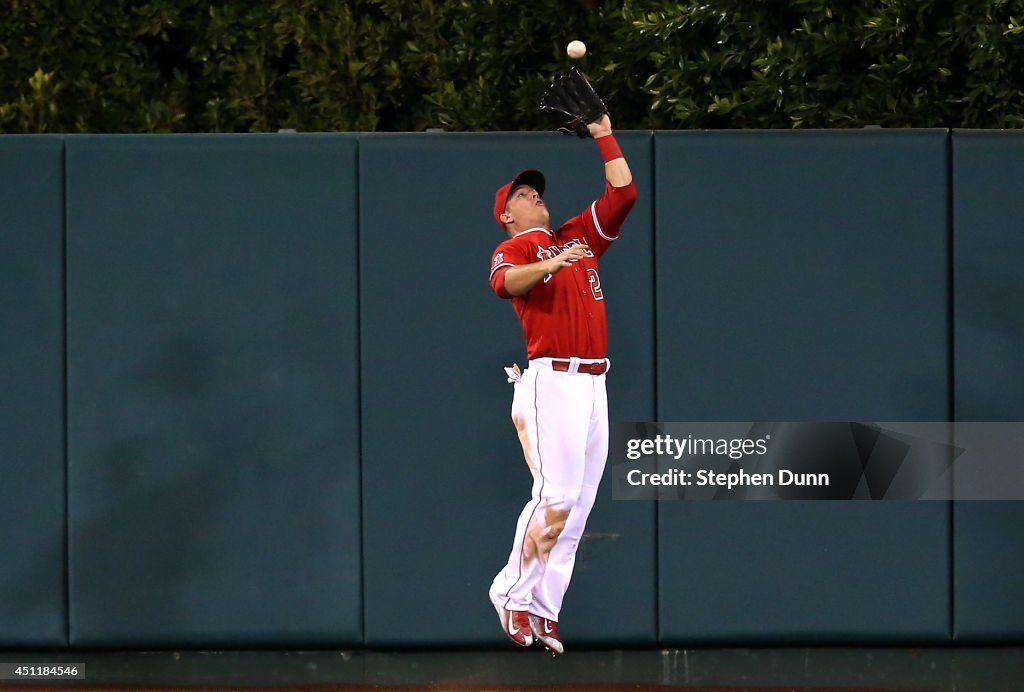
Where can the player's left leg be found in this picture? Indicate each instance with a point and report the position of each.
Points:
(550, 592)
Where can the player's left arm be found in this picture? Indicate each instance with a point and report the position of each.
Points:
(607, 213)
(616, 169)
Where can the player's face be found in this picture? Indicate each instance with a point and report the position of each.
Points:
(527, 208)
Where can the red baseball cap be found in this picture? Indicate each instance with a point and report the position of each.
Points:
(530, 176)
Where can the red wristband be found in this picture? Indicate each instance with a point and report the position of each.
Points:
(609, 148)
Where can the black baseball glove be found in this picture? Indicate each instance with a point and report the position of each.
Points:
(572, 102)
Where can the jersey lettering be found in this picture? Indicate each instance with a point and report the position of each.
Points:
(545, 253)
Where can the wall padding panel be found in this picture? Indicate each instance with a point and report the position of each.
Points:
(213, 391)
(33, 600)
(988, 170)
(803, 277)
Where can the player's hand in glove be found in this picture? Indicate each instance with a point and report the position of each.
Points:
(572, 101)
(600, 127)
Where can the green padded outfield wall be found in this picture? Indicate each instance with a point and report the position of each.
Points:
(443, 474)
(282, 354)
(213, 391)
(988, 175)
(803, 277)
(33, 600)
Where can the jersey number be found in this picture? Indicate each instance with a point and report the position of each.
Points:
(595, 284)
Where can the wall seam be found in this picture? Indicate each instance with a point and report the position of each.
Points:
(951, 391)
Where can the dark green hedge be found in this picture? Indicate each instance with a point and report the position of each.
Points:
(382, 65)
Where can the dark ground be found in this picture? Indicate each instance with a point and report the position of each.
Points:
(988, 669)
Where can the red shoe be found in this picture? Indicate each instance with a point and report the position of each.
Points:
(546, 632)
(515, 624)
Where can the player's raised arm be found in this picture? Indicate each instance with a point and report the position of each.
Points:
(616, 170)
(610, 210)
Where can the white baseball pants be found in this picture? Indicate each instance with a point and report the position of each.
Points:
(562, 421)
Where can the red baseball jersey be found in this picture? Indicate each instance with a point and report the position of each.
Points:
(563, 315)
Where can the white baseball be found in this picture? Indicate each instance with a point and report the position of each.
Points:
(576, 49)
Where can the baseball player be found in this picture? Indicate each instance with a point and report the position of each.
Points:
(560, 408)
